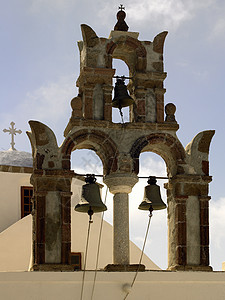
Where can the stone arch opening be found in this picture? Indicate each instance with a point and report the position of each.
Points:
(122, 69)
(172, 152)
(166, 146)
(94, 140)
(157, 245)
(131, 51)
(85, 161)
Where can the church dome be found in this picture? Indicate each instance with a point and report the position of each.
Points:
(16, 158)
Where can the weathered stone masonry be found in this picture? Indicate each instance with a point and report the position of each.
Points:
(119, 146)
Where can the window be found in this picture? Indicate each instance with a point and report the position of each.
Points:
(26, 204)
(76, 260)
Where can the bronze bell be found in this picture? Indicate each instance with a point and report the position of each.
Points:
(90, 197)
(121, 96)
(152, 196)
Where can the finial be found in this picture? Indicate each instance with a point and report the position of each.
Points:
(121, 25)
(170, 110)
(12, 131)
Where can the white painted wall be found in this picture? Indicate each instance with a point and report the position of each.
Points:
(10, 197)
(151, 285)
(10, 201)
(15, 244)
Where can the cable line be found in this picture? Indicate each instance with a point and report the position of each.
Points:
(146, 235)
(88, 234)
(98, 250)
(100, 234)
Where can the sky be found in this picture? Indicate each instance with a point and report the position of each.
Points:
(39, 65)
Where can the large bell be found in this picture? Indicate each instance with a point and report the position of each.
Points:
(152, 196)
(121, 96)
(90, 197)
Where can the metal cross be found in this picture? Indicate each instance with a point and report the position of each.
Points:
(13, 132)
(121, 7)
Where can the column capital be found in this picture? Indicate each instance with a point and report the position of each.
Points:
(120, 183)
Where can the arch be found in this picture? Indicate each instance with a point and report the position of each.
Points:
(121, 47)
(86, 161)
(121, 69)
(165, 145)
(94, 140)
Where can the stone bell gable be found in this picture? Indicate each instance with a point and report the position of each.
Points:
(152, 127)
(145, 63)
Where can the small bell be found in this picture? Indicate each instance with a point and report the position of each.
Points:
(121, 96)
(152, 197)
(90, 198)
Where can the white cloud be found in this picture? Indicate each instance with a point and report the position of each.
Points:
(218, 29)
(86, 162)
(170, 12)
(152, 164)
(201, 75)
(49, 101)
(37, 6)
(49, 104)
(166, 13)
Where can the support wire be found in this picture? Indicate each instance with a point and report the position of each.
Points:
(98, 250)
(85, 261)
(100, 234)
(142, 252)
(121, 114)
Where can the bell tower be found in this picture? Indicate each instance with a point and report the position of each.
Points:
(152, 127)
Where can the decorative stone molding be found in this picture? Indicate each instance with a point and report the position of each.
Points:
(15, 169)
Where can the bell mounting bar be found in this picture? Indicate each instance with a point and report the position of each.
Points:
(140, 177)
(159, 177)
(122, 77)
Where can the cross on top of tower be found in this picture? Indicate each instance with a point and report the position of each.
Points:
(121, 7)
(12, 131)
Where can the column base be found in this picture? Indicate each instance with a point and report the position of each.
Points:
(124, 268)
(190, 268)
(52, 268)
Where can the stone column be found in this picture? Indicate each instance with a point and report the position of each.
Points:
(95, 86)
(188, 223)
(204, 230)
(121, 185)
(148, 92)
(121, 253)
(52, 220)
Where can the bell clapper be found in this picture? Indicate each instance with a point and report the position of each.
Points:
(121, 114)
(90, 213)
(150, 210)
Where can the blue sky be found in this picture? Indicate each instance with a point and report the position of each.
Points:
(39, 65)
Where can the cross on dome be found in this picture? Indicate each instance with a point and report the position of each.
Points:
(12, 131)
